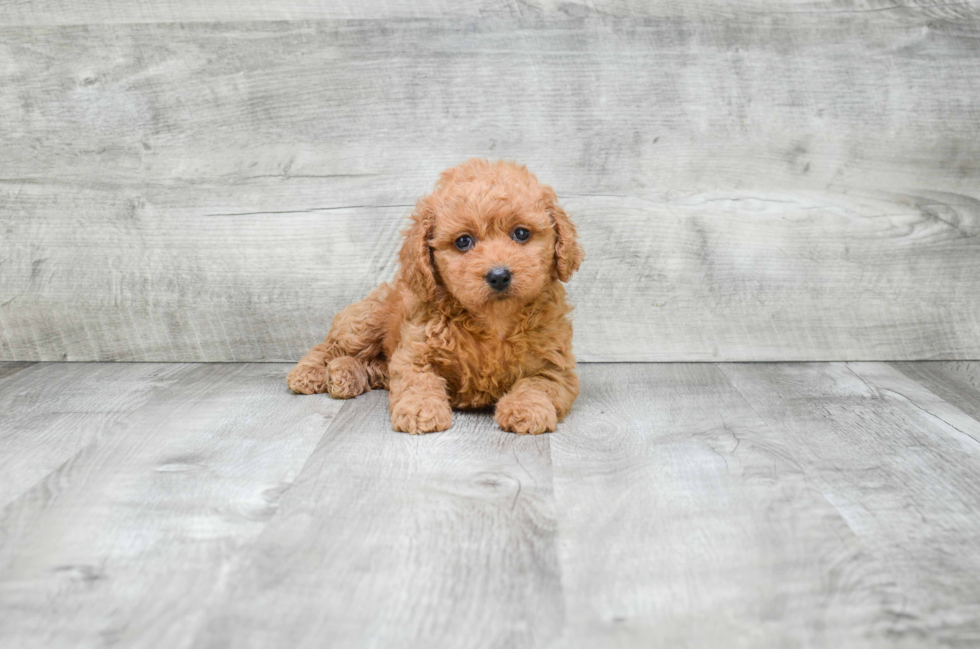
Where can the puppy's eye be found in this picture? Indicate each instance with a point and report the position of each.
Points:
(464, 243)
(521, 234)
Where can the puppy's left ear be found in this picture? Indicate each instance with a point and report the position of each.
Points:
(568, 252)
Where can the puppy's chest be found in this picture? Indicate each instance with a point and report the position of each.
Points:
(481, 369)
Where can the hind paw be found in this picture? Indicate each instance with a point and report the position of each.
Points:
(307, 379)
(348, 377)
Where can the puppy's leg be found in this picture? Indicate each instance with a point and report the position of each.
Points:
(357, 331)
(536, 404)
(347, 377)
(418, 399)
(377, 370)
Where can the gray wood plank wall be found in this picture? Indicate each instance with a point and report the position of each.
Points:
(212, 181)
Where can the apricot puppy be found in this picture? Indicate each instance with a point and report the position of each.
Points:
(476, 315)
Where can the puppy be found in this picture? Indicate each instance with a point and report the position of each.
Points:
(476, 315)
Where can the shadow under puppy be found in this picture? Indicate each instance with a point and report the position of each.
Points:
(476, 315)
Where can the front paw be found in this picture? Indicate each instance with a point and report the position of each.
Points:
(417, 415)
(307, 379)
(529, 413)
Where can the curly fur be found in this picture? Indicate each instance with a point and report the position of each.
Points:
(439, 337)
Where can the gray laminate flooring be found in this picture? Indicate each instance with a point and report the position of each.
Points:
(679, 505)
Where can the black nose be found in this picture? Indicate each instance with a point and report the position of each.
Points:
(498, 278)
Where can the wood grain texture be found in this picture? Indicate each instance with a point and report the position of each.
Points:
(98, 12)
(694, 505)
(793, 181)
(392, 540)
(955, 382)
(747, 277)
(128, 541)
(684, 520)
(49, 412)
(9, 369)
(901, 467)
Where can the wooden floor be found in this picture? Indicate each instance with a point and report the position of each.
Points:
(679, 505)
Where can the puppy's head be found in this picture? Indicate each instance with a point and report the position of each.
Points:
(491, 236)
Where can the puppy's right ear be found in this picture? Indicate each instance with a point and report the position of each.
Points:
(415, 256)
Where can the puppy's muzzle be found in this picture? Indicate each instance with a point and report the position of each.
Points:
(498, 278)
